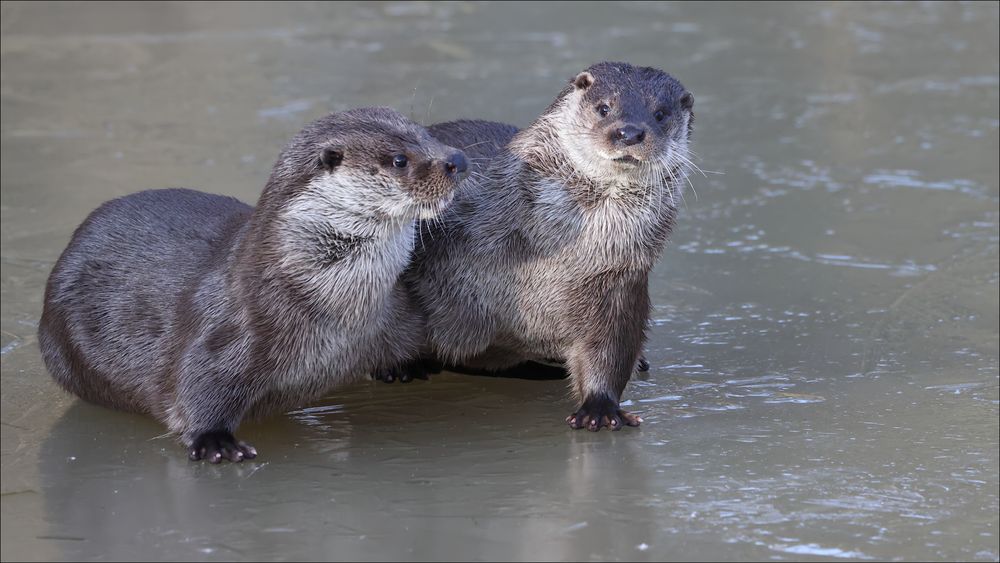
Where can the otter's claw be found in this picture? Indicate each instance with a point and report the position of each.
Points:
(216, 446)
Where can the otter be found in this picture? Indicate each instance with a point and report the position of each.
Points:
(203, 311)
(546, 252)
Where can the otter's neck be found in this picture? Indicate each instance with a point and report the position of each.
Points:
(326, 259)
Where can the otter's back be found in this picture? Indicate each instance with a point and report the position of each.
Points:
(480, 140)
(112, 297)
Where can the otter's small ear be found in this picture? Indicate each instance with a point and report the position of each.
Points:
(330, 158)
(583, 80)
(687, 100)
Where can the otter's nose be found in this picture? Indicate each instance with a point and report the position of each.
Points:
(630, 135)
(455, 164)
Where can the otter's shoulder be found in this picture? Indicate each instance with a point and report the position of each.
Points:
(478, 138)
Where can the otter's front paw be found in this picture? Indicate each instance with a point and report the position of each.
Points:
(218, 445)
(598, 412)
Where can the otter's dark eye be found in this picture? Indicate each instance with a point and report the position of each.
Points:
(399, 161)
(604, 110)
(661, 114)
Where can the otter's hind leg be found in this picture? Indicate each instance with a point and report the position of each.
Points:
(421, 368)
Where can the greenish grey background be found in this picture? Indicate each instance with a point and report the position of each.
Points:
(825, 335)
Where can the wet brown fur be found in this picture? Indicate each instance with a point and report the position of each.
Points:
(202, 311)
(547, 250)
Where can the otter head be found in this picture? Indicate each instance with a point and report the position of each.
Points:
(367, 166)
(619, 120)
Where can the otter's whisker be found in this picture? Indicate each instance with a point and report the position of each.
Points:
(467, 147)
(427, 114)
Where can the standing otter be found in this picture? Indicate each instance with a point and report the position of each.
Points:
(547, 250)
(201, 311)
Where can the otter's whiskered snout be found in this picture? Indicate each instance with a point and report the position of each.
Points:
(433, 181)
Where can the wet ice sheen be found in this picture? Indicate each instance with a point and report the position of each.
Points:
(824, 351)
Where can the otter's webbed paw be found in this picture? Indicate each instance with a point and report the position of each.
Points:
(598, 412)
(218, 445)
(406, 373)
